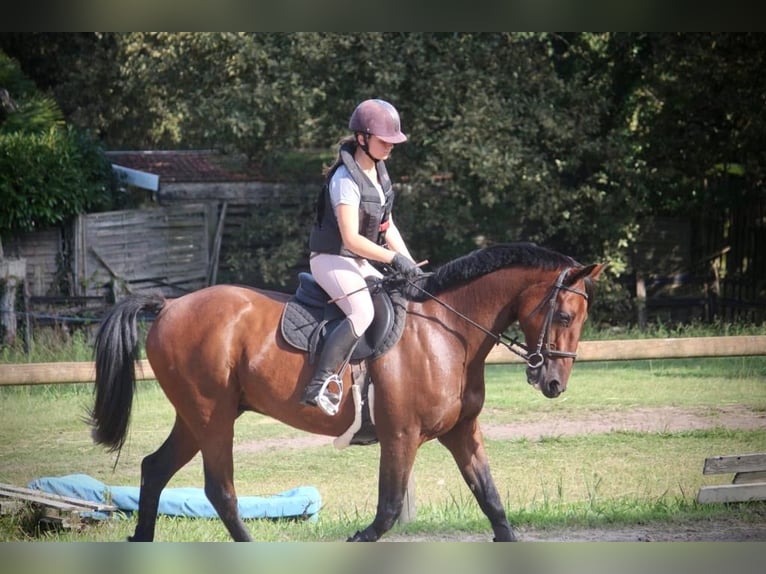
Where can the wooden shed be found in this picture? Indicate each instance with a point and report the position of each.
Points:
(220, 189)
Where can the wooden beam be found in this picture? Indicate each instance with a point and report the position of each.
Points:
(84, 372)
(639, 349)
(735, 463)
(71, 372)
(732, 493)
(749, 477)
(50, 499)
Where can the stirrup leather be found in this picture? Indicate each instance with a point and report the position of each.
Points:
(329, 399)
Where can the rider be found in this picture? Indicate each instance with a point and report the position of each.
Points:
(353, 226)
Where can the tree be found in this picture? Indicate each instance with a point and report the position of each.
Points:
(48, 171)
(701, 118)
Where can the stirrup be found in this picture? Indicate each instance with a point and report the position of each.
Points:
(329, 400)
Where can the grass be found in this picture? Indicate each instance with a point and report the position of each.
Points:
(587, 479)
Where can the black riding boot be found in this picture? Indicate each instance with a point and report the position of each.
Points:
(336, 350)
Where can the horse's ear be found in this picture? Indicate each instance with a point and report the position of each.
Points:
(596, 269)
(589, 271)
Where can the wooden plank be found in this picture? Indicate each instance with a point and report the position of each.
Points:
(247, 191)
(640, 349)
(20, 492)
(735, 463)
(46, 373)
(50, 373)
(732, 493)
(43, 500)
(749, 477)
(10, 506)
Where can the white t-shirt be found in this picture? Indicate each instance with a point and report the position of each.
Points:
(343, 189)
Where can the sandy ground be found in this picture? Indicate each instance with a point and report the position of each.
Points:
(660, 419)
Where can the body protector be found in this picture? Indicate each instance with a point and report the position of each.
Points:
(373, 217)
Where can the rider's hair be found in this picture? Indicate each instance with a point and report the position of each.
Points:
(349, 141)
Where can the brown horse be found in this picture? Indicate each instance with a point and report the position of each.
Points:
(218, 352)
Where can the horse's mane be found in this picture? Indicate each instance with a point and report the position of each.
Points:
(488, 259)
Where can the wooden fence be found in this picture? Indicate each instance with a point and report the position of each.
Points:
(637, 349)
(133, 250)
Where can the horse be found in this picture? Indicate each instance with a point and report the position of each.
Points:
(218, 352)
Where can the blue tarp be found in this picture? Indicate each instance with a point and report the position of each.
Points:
(300, 502)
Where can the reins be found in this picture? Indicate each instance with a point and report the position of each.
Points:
(534, 360)
(543, 350)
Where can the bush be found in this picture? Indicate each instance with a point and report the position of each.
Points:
(47, 177)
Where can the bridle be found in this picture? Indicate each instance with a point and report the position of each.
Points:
(543, 351)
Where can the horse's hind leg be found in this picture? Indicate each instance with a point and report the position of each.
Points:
(218, 462)
(156, 470)
(466, 444)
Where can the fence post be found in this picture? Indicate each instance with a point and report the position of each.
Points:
(409, 509)
(12, 272)
(641, 300)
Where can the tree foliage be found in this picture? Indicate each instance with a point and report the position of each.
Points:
(564, 139)
(48, 171)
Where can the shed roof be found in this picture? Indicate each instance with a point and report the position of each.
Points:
(176, 166)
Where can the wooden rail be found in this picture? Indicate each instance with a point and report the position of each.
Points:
(51, 373)
(637, 349)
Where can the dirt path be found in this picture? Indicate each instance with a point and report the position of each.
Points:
(660, 419)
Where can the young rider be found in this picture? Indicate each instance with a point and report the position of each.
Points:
(354, 225)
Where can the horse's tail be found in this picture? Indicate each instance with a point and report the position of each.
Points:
(116, 351)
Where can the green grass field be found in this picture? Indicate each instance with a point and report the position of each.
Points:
(552, 480)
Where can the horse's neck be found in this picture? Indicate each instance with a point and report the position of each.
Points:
(489, 301)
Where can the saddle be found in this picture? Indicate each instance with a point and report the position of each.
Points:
(308, 318)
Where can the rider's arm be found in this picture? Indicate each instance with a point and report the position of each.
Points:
(395, 241)
(348, 223)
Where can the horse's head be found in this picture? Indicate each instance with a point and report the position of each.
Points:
(552, 317)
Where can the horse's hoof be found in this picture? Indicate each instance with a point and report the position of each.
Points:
(360, 536)
(510, 537)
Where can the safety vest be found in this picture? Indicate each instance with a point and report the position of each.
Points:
(373, 217)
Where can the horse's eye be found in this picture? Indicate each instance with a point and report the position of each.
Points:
(564, 319)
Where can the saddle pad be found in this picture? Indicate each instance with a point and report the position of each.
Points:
(299, 323)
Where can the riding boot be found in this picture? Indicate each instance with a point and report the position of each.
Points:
(336, 350)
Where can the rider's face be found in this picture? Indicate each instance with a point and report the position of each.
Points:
(379, 149)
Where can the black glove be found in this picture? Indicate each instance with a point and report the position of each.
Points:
(405, 267)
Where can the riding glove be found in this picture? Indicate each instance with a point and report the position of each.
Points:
(405, 267)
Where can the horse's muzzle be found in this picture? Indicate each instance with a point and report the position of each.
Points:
(550, 388)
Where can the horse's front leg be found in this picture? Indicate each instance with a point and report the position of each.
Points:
(396, 460)
(466, 444)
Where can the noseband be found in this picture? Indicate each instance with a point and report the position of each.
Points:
(543, 351)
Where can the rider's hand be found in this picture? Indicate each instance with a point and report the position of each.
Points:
(405, 267)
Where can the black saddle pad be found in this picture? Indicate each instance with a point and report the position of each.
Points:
(307, 318)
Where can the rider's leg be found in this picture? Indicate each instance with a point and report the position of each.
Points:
(342, 278)
(336, 351)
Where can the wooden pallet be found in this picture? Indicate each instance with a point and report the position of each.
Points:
(749, 481)
(58, 511)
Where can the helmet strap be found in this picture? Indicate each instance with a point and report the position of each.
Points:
(366, 146)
